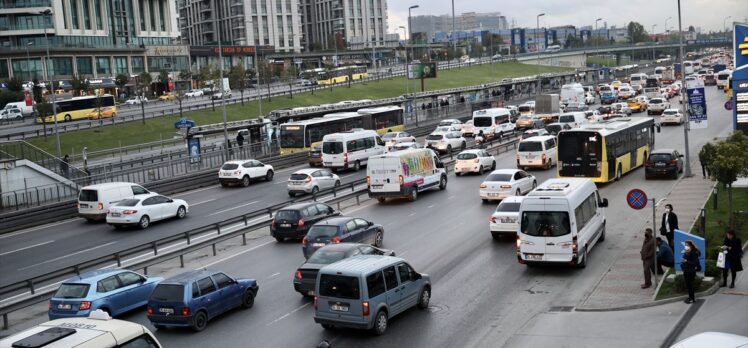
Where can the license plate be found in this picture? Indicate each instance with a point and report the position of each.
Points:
(64, 306)
(534, 257)
(531, 157)
(506, 221)
(493, 195)
(310, 292)
(84, 205)
(166, 310)
(116, 214)
(328, 163)
(339, 308)
(659, 164)
(377, 186)
(318, 245)
(285, 225)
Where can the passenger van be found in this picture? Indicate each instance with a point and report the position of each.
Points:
(573, 119)
(638, 81)
(526, 109)
(573, 92)
(404, 174)
(539, 152)
(365, 292)
(722, 78)
(560, 222)
(688, 67)
(94, 201)
(487, 120)
(98, 330)
(350, 149)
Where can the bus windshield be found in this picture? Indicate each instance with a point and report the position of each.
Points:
(579, 154)
(292, 136)
(545, 223)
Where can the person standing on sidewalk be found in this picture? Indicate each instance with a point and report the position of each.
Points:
(705, 156)
(689, 264)
(669, 225)
(648, 258)
(733, 246)
(664, 256)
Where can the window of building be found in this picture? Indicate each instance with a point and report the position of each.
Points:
(28, 69)
(74, 14)
(141, 9)
(153, 15)
(64, 14)
(83, 65)
(4, 69)
(99, 15)
(60, 66)
(120, 65)
(137, 65)
(103, 67)
(86, 15)
(162, 13)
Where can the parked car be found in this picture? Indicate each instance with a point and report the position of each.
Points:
(392, 138)
(502, 183)
(315, 155)
(311, 181)
(446, 142)
(195, 93)
(294, 221)
(671, 116)
(243, 172)
(306, 275)
(191, 299)
(115, 291)
(341, 229)
(474, 161)
(142, 210)
(505, 220)
(665, 162)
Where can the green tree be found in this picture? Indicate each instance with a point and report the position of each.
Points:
(15, 84)
(144, 81)
(289, 76)
(729, 163)
(121, 80)
(637, 33)
(237, 76)
(265, 75)
(79, 84)
(185, 75)
(573, 41)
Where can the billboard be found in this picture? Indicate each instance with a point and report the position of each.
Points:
(696, 104)
(422, 70)
(740, 78)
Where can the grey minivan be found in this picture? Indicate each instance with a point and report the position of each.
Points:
(363, 292)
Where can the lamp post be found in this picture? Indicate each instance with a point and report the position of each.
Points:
(28, 59)
(405, 60)
(537, 48)
(410, 33)
(653, 49)
(454, 41)
(48, 12)
(220, 82)
(724, 26)
(684, 99)
(666, 27)
(597, 40)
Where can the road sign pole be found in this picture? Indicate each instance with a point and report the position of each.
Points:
(654, 239)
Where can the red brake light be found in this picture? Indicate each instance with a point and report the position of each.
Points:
(308, 178)
(315, 303)
(300, 223)
(185, 311)
(298, 275)
(304, 241)
(368, 180)
(50, 304)
(100, 206)
(476, 160)
(130, 212)
(673, 162)
(492, 219)
(85, 305)
(335, 240)
(345, 157)
(149, 310)
(506, 186)
(273, 223)
(365, 306)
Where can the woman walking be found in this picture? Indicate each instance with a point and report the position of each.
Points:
(690, 265)
(733, 246)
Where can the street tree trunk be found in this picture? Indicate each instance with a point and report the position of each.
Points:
(730, 213)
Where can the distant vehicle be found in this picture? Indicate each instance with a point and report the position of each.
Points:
(195, 93)
(589, 98)
(315, 155)
(219, 95)
(474, 161)
(537, 152)
(528, 122)
(21, 106)
(608, 97)
(446, 142)
(555, 128)
(105, 112)
(404, 146)
(496, 57)
(485, 121)
(77, 108)
(396, 175)
(136, 100)
(350, 150)
(553, 48)
(392, 138)
(622, 108)
(505, 220)
(142, 210)
(294, 221)
(341, 229)
(503, 183)
(468, 129)
(534, 133)
(573, 92)
(712, 339)
(311, 181)
(242, 172)
(722, 78)
(11, 114)
(573, 119)
(168, 96)
(671, 116)
(526, 109)
(94, 201)
(505, 129)
(666, 162)
(576, 106)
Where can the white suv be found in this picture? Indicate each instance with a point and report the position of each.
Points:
(393, 138)
(626, 92)
(311, 181)
(474, 161)
(445, 142)
(194, 93)
(657, 106)
(243, 172)
(136, 100)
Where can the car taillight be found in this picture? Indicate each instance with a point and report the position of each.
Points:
(519, 242)
(300, 224)
(492, 219)
(85, 305)
(273, 225)
(476, 160)
(574, 245)
(100, 206)
(673, 162)
(185, 311)
(401, 180)
(50, 305)
(315, 302)
(483, 185)
(77, 206)
(335, 240)
(130, 212)
(149, 310)
(237, 172)
(543, 158)
(506, 186)
(304, 241)
(648, 163)
(345, 157)
(308, 179)
(365, 308)
(298, 275)
(368, 180)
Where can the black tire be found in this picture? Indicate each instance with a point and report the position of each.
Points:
(356, 166)
(280, 239)
(269, 175)
(534, 185)
(443, 182)
(424, 298)
(583, 255)
(381, 200)
(518, 193)
(291, 194)
(181, 212)
(493, 166)
(337, 183)
(480, 170)
(327, 326)
(413, 194)
(458, 173)
(223, 184)
(496, 236)
(619, 173)
(200, 321)
(144, 222)
(159, 327)
(68, 118)
(449, 148)
(602, 235)
(463, 145)
(378, 238)
(315, 190)
(380, 323)
(246, 180)
(248, 300)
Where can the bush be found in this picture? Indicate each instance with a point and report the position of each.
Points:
(680, 284)
(711, 268)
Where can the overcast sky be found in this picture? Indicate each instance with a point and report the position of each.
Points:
(707, 14)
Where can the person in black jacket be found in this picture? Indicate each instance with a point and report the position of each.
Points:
(689, 264)
(733, 246)
(669, 225)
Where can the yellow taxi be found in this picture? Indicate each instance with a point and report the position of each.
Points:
(106, 112)
(615, 84)
(637, 105)
(167, 97)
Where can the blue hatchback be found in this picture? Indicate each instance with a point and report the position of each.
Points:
(191, 299)
(115, 291)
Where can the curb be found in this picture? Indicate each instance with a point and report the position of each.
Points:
(713, 289)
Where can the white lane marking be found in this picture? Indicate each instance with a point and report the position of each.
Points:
(411, 214)
(431, 206)
(273, 275)
(232, 208)
(347, 175)
(24, 248)
(196, 190)
(284, 316)
(202, 202)
(281, 183)
(235, 255)
(450, 197)
(68, 255)
(13, 234)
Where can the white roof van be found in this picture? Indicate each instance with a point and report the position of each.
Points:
(94, 201)
(350, 149)
(538, 151)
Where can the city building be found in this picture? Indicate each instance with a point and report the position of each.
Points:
(335, 24)
(465, 22)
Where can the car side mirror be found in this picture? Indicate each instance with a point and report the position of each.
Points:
(680, 156)
(440, 164)
(604, 203)
(418, 276)
(370, 223)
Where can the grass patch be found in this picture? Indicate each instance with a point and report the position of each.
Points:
(677, 288)
(163, 128)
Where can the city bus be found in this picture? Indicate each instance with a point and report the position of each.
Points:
(334, 76)
(301, 135)
(358, 72)
(312, 74)
(280, 116)
(606, 150)
(78, 108)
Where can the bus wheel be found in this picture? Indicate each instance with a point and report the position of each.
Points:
(619, 173)
(68, 118)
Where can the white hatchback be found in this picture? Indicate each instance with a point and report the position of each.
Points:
(141, 210)
(474, 161)
(503, 183)
(671, 116)
(505, 220)
(392, 138)
(243, 172)
(311, 181)
(446, 142)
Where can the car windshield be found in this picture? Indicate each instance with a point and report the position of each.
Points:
(566, 119)
(482, 121)
(339, 286)
(287, 215)
(168, 293)
(655, 101)
(68, 290)
(88, 196)
(230, 166)
(466, 156)
(322, 231)
(545, 223)
(332, 147)
(530, 146)
(673, 113)
(500, 177)
(326, 257)
(660, 157)
(389, 136)
(298, 176)
(508, 207)
(128, 202)
(434, 137)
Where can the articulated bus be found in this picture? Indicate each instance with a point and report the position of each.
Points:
(312, 74)
(300, 136)
(77, 108)
(606, 150)
(281, 116)
(343, 73)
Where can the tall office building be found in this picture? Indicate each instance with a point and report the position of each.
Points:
(356, 24)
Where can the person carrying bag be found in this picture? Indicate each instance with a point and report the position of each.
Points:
(731, 254)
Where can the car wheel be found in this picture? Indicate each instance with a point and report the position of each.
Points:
(223, 184)
(181, 212)
(619, 173)
(315, 190)
(413, 194)
(114, 114)
(463, 145)
(280, 239)
(602, 235)
(449, 148)
(246, 180)
(291, 194)
(381, 200)
(534, 185)
(337, 183)
(248, 300)
(144, 222)
(484, 200)
(378, 238)
(458, 173)
(269, 175)
(380, 323)
(424, 298)
(200, 321)
(583, 255)
(518, 193)
(443, 182)
(493, 166)
(480, 170)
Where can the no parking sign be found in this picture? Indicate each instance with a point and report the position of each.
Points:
(636, 199)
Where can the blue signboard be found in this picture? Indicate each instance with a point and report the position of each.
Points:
(193, 148)
(680, 241)
(636, 199)
(184, 123)
(696, 104)
(740, 78)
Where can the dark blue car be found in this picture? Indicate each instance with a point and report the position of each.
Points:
(191, 299)
(608, 98)
(341, 229)
(114, 291)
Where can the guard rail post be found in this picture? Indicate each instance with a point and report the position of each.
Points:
(218, 227)
(155, 248)
(187, 236)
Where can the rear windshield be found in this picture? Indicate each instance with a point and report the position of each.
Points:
(72, 291)
(655, 101)
(445, 123)
(525, 108)
(660, 157)
(339, 287)
(128, 202)
(434, 137)
(389, 135)
(510, 207)
(287, 214)
(230, 166)
(168, 293)
(325, 257)
(332, 147)
(566, 118)
(530, 146)
(88, 196)
(499, 177)
(545, 223)
(466, 156)
(483, 121)
(322, 231)
(670, 113)
(298, 176)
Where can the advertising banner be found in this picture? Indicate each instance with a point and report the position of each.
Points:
(696, 104)
(422, 71)
(193, 146)
(739, 85)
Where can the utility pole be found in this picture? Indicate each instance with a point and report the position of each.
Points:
(216, 9)
(48, 12)
(684, 97)
(537, 49)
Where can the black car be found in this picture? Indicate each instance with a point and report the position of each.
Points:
(339, 230)
(306, 275)
(604, 110)
(554, 128)
(665, 162)
(295, 220)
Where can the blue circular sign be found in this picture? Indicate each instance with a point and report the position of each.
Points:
(636, 199)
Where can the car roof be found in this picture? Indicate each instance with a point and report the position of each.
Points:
(93, 276)
(504, 171)
(361, 264)
(335, 221)
(307, 171)
(512, 199)
(107, 185)
(188, 277)
(239, 162)
(299, 206)
(664, 151)
(672, 109)
(539, 138)
(341, 247)
(472, 151)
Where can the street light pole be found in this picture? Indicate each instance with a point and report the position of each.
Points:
(454, 42)
(537, 49)
(724, 26)
(667, 19)
(653, 49)
(48, 12)
(220, 82)
(410, 33)
(597, 40)
(684, 99)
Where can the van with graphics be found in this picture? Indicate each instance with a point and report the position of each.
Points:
(404, 174)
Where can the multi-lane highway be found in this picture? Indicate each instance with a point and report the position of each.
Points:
(481, 295)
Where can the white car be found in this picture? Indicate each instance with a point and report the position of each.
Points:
(505, 129)
(474, 161)
(404, 146)
(392, 138)
(505, 220)
(657, 106)
(455, 123)
(243, 172)
(589, 98)
(219, 95)
(311, 181)
(503, 183)
(468, 128)
(141, 210)
(136, 100)
(195, 93)
(671, 116)
(622, 108)
(11, 114)
(445, 142)
(625, 92)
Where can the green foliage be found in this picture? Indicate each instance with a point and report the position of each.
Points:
(163, 77)
(15, 85)
(121, 80)
(206, 74)
(729, 161)
(144, 81)
(290, 74)
(10, 97)
(79, 84)
(573, 41)
(236, 77)
(637, 33)
(185, 75)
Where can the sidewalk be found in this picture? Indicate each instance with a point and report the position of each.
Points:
(619, 287)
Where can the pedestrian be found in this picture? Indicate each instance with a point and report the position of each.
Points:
(669, 224)
(65, 165)
(664, 256)
(689, 264)
(648, 257)
(733, 246)
(706, 154)
(240, 140)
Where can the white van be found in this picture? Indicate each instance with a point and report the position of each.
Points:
(573, 92)
(688, 67)
(560, 221)
(26, 110)
(98, 330)
(638, 81)
(722, 78)
(94, 201)
(658, 71)
(404, 174)
(573, 119)
(487, 120)
(350, 149)
(539, 151)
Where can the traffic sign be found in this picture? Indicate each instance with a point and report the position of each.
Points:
(728, 105)
(184, 123)
(636, 199)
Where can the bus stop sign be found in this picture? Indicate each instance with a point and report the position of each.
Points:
(636, 199)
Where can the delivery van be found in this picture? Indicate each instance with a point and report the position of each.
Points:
(573, 92)
(94, 201)
(26, 110)
(404, 174)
